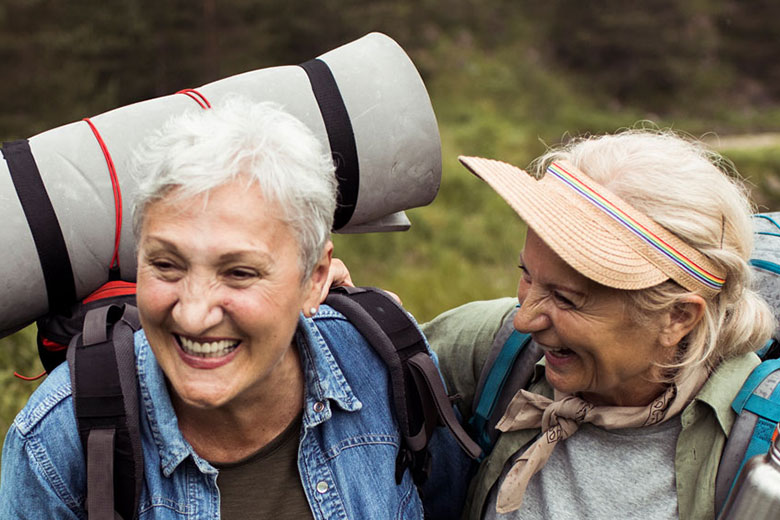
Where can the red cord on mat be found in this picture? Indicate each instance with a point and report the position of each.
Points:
(25, 378)
(117, 193)
(194, 94)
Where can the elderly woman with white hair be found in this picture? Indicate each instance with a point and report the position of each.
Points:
(636, 287)
(256, 402)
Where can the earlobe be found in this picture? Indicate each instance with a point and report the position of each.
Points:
(684, 316)
(318, 278)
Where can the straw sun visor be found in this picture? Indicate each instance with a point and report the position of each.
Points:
(594, 231)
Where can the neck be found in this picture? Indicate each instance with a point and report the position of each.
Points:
(246, 424)
(642, 395)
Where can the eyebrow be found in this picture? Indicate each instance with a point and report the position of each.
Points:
(158, 243)
(236, 256)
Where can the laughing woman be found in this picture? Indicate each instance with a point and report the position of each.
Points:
(635, 285)
(255, 401)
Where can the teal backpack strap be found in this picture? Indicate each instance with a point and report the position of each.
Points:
(758, 408)
(509, 367)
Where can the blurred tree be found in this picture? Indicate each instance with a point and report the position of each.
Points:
(750, 35)
(652, 53)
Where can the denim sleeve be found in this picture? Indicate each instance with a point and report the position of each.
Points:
(31, 487)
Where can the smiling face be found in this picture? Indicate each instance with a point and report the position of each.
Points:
(219, 294)
(591, 345)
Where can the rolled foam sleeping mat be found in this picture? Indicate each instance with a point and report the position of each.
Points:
(365, 101)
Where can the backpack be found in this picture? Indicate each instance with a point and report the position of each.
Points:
(99, 334)
(513, 355)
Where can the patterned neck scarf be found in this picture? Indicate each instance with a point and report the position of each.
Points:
(561, 417)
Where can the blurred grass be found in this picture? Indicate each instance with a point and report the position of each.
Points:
(19, 353)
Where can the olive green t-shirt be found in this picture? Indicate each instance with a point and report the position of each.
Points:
(266, 484)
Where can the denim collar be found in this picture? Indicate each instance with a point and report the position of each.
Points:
(324, 380)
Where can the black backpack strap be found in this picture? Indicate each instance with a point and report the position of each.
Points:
(758, 407)
(419, 398)
(508, 368)
(105, 397)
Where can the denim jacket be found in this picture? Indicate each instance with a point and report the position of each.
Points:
(348, 444)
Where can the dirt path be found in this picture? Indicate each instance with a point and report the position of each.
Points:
(744, 142)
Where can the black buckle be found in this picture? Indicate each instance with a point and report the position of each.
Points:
(419, 465)
(402, 461)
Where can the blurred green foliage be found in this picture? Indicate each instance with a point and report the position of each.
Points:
(507, 78)
(18, 353)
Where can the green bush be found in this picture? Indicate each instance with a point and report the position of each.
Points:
(18, 353)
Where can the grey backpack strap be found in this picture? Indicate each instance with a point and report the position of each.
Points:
(105, 396)
(519, 377)
(758, 407)
(506, 329)
(100, 474)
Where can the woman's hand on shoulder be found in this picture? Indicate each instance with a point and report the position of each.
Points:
(338, 276)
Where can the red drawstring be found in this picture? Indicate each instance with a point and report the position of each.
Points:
(117, 193)
(201, 100)
(25, 378)
(51, 346)
(194, 94)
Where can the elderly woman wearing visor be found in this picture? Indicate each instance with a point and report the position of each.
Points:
(255, 401)
(635, 285)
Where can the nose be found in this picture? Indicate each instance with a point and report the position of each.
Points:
(532, 315)
(197, 308)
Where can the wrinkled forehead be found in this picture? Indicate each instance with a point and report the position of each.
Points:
(546, 266)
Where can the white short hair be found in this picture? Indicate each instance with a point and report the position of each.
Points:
(200, 150)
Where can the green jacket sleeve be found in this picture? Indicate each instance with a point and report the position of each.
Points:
(462, 337)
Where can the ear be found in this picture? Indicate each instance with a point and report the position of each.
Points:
(319, 277)
(683, 317)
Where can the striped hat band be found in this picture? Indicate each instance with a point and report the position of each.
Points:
(595, 231)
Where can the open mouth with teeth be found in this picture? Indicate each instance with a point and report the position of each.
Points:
(559, 352)
(207, 349)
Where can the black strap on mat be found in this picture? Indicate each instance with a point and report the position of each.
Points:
(102, 369)
(340, 135)
(44, 226)
(419, 399)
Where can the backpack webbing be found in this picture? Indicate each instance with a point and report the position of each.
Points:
(105, 400)
(758, 411)
(508, 368)
(420, 401)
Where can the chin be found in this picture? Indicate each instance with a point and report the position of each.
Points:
(561, 384)
(194, 394)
